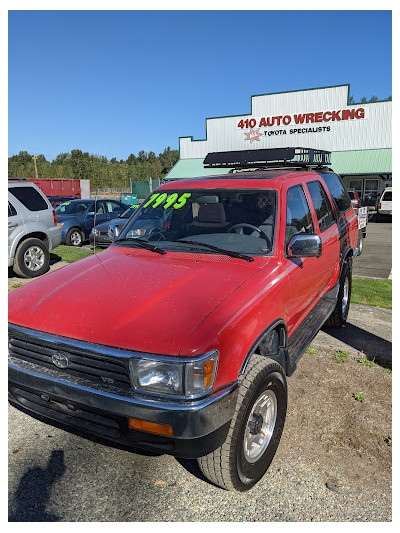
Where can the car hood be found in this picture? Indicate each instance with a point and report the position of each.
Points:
(104, 225)
(130, 298)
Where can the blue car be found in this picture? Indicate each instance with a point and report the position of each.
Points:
(78, 217)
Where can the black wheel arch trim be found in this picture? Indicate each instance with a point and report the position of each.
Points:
(282, 357)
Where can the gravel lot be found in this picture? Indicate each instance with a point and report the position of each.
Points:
(329, 438)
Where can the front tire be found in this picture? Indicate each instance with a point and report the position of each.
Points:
(255, 429)
(31, 259)
(74, 237)
(339, 315)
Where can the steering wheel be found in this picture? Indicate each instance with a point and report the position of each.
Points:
(238, 228)
(156, 235)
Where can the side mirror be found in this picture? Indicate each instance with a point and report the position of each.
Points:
(305, 245)
(113, 232)
(91, 214)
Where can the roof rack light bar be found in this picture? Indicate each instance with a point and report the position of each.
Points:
(268, 157)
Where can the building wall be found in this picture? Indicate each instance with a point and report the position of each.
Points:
(370, 127)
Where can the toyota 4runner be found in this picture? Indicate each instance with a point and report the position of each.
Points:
(206, 315)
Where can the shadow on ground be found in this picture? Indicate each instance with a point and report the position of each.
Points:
(33, 491)
(374, 347)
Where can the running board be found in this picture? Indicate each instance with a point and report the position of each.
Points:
(307, 330)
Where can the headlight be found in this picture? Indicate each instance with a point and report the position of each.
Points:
(95, 232)
(173, 378)
(136, 232)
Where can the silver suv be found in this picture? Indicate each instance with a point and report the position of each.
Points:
(32, 229)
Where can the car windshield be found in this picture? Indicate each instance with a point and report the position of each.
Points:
(387, 196)
(237, 220)
(72, 208)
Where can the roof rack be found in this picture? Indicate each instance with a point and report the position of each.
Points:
(268, 158)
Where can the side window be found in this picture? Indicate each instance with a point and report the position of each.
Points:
(30, 198)
(100, 208)
(298, 216)
(321, 205)
(113, 207)
(338, 192)
(11, 210)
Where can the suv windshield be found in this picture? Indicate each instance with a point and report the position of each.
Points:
(72, 208)
(238, 220)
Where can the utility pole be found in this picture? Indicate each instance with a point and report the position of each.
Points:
(34, 160)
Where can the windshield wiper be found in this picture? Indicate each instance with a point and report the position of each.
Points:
(144, 244)
(217, 249)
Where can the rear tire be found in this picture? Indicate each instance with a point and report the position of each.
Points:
(74, 237)
(255, 429)
(32, 258)
(339, 315)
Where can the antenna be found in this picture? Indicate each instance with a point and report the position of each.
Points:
(94, 221)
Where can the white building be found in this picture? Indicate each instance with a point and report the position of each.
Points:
(358, 135)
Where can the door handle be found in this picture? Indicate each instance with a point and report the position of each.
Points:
(12, 225)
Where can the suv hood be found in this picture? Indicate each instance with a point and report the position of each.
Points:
(130, 298)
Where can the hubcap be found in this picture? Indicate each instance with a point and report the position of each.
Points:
(345, 299)
(260, 426)
(34, 258)
(76, 238)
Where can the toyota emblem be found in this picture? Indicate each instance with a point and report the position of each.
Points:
(60, 360)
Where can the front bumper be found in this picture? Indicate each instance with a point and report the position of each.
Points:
(200, 426)
(101, 240)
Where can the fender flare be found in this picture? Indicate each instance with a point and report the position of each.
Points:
(282, 357)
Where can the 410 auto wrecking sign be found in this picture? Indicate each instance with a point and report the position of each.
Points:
(301, 123)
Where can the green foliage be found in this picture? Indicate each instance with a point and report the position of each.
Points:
(16, 285)
(311, 351)
(341, 356)
(359, 397)
(97, 168)
(366, 362)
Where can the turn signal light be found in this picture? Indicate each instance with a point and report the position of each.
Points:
(54, 218)
(150, 427)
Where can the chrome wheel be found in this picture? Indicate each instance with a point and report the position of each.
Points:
(34, 258)
(345, 299)
(76, 238)
(260, 426)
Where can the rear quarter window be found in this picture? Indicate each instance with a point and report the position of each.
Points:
(387, 196)
(337, 191)
(30, 198)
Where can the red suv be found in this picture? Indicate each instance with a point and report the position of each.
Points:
(181, 342)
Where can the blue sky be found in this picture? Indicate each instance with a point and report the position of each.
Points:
(116, 82)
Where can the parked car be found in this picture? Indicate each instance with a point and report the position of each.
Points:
(78, 217)
(148, 226)
(100, 235)
(384, 206)
(57, 200)
(216, 312)
(354, 198)
(32, 229)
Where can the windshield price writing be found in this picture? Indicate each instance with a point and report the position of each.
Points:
(169, 200)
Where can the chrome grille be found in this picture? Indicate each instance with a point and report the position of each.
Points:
(95, 368)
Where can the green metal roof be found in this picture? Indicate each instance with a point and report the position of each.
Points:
(350, 162)
(363, 162)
